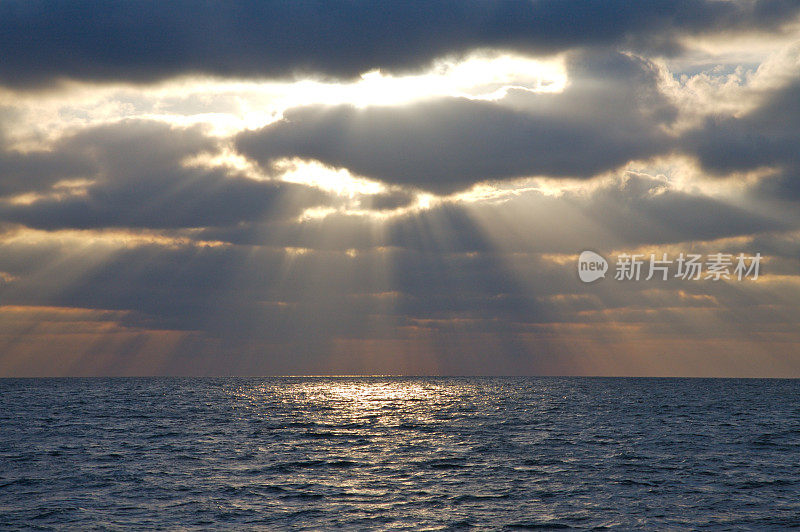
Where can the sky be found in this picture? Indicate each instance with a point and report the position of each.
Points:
(387, 187)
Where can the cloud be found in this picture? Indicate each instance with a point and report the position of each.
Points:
(139, 246)
(390, 200)
(611, 113)
(33, 170)
(766, 137)
(642, 209)
(38, 170)
(258, 310)
(467, 277)
(150, 40)
(140, 179)
(629, 210)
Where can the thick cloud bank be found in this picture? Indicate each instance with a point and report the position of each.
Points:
(610, 114)
(149, 40)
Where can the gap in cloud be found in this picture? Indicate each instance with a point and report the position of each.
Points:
(227, 106)
(351, 195)
(718, 79)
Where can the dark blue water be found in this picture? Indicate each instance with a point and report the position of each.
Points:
(399, 453)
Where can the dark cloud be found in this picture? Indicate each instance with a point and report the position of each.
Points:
(463, 277)
(483, 286)
(33, 170)
(142, 41)
(609, 115)
(632, 211)
(387, 201)
(37, 171)
(645, 210)
(261, 302)
(140, 180)
(767, 137)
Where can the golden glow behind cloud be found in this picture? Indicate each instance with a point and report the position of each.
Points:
(203, 223)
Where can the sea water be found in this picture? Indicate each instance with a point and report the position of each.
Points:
(399, 453)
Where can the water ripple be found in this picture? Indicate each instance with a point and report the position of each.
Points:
(400, 453)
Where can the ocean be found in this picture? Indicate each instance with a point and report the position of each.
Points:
(399, 453)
